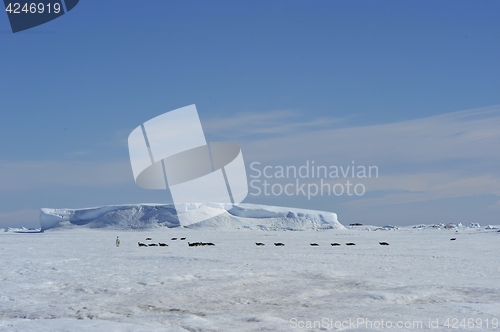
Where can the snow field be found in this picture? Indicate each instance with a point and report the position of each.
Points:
(78, 279)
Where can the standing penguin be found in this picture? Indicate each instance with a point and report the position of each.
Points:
(117, 241)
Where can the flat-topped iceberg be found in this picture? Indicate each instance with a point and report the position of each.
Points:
(138, 216)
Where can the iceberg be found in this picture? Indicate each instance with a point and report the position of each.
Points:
(146, 216)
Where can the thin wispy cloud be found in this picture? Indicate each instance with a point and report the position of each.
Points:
(119, 139)
(445, 156)
(268, 123)
(459, 135)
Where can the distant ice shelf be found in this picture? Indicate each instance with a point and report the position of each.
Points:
(145, 216)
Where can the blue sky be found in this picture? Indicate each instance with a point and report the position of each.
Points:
(409, 87)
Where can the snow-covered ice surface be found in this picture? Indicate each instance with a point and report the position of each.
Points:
(78, 280)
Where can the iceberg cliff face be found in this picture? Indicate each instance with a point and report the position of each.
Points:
(143, 216)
